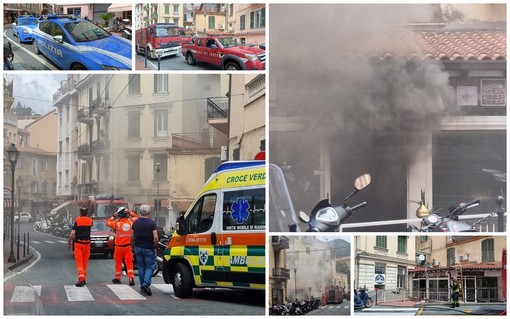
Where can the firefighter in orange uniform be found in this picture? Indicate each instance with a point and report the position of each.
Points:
(81, 236)
(122, 225)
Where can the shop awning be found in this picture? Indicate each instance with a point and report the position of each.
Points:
(120, 7)
(59, 207)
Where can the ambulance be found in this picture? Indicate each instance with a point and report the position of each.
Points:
(220, 241)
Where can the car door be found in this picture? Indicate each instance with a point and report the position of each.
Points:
(202, 241)
(59, 52)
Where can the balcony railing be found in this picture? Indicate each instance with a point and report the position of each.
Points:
(209, 140)
(280, 242)
(217, 107)
(280, 272)
(68, 86)
(84, 115)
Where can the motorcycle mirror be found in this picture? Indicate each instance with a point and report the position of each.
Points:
(304, 217)
(362, 181)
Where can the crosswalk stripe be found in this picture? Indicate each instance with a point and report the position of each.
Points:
(25, 293)
(78, 293)
(35, 242)
(167, 289)
(49, 241)
(62, 241)
(125, 292)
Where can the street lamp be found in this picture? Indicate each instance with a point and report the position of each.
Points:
(295, 284)
(158, 169)
(205, 24)
(19, 186)
(13, 154)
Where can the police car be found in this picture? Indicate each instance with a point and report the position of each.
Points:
(77, 44)
(23, 27)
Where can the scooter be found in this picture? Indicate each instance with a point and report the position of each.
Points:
(326, 218)
(323, 218)
(362, 299)
(450, 223)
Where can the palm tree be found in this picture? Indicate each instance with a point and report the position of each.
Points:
(107, 17)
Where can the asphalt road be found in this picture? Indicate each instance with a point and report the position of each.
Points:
(24, 55)
(342, 309)
(45, 286)
(435, 310)
(171, 63)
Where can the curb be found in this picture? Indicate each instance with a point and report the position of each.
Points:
(22, 261)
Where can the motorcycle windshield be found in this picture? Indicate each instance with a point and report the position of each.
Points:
(282, 217)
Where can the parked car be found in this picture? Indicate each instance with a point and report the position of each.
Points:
(78, 44)
(23, 28)
(23, 217)
(101, 239)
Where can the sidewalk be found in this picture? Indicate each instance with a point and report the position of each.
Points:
(419, 304)
(22, 260)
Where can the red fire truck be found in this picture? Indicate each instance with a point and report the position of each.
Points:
(160, 40)
(103, 207)
(334, 294)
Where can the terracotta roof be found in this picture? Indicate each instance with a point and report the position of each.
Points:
(438, 45)
(481, 266)
(181, 205)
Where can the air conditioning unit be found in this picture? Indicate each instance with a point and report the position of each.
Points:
(220, 26)
(464, 257)
(435, 262)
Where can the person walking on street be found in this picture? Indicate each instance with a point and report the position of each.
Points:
(455, 292)
(145, 241)
(80, 233)
(122, 224)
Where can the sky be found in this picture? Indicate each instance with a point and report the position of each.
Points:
(36, 90)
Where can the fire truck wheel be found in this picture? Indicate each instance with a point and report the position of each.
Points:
(231, 66)
(189, 59)
(182, 281)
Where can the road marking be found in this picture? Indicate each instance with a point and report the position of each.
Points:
(78, 293)
(35, 242)
(125, 292)
(15, 273)
(167, 289)
(49, 242)
(25, 293)
(63, 242)
(419, 311)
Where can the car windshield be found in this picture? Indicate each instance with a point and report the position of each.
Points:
(228, 42)
(165, 31)
(84, 31)
(33, 21)
(107, 210)
(99, 226)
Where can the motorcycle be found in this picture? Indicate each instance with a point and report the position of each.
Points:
(362, 299)
(8, 55)
(450, 223)
(323, 218)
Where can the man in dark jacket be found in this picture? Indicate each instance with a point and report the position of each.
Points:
(145, 239)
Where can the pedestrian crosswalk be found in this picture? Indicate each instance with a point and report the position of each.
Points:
(337, 306)
(86, 293)
(36, 242)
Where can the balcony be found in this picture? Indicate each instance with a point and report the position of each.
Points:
(99, 105)
(84, 116)
(99, 146)
(281, 273)
(66, 88)
(84, 152)
(197, 141)
(280, 242)
(217, 113)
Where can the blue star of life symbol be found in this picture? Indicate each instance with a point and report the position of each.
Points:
(240, 211)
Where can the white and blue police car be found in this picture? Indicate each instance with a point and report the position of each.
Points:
(78, 44)
(23, 28)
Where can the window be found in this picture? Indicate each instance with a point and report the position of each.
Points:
(244, 209)
(236, 153)
(424, 238)
(67, 113)
(167, 9)
(401, 277)
(34, 166)
(308, 250)
(133, 168)
(242, 22)
(450, 256)
(488, 249)
(167, 19)
(34, 187)
(402, 244)
(161, 123)
(44, 165)
(230, 9)
(160, 83)
(212, 22)
(134, 84)
(381, 241)
(134, 124)
(258, 19)
(201, 216)
(162, 160)
(176, 21)
(176, 9)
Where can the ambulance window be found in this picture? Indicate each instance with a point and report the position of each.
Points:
(201, 217)
(244, 210)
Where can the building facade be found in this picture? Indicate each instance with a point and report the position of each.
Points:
(280, 274)
(382, 263)
(474, 260)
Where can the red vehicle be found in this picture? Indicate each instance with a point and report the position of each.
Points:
(185, 37)
(101, 238)
(334, 294)
(224, 52)
(160, 39)
(103, 207)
